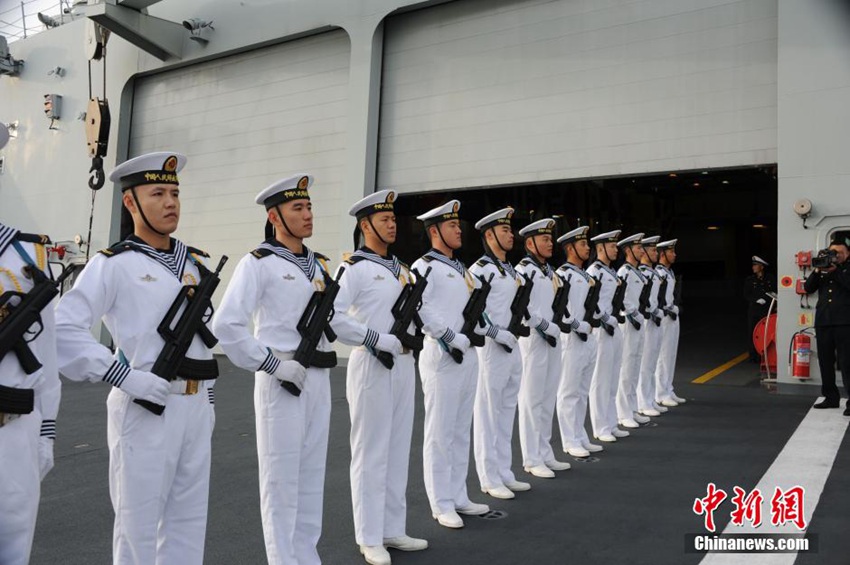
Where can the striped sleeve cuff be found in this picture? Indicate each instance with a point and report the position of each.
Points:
(211, 395)
(116, 374)
(270, 364)
(48, 429)
(449, 336)
(542, 325)
(574, 324)
(492, 331)
(371, 339)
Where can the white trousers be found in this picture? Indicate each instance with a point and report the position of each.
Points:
(159, 478)
(381, 408)
(578, 360)
(667, 358)
(541, 371)
(499, 374)
(603, 387)
(633, 344)
(20, 487)
(449, 390)
(292, 446)
(648, 363)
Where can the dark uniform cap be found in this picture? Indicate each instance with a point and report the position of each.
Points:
(500, 218)
(540, 227)
(448, 211)
(160, 167)
(285, 190)
(381, 201)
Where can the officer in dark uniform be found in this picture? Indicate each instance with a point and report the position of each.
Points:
(756, 288)
(832, 322)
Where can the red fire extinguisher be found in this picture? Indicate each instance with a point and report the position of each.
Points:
(800, 354)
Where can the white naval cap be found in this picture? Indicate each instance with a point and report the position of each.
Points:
(607, 237)
(540, 227)
(284, 190)
(448, 211)
(631, 240)
(572, 236)
(500, 218)
(667, 244)
(4, 135)
(651, 240)
(160, 167)
(759, 260)
(381, 201)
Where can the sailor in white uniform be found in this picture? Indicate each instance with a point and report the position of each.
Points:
(632, 329)
(448, 386)
(541, 354)
(29, 397)
(578, 356)
(603, 387)
(665, 396)
(499, 362)
(652, 332)
(159, 465)
(270, 289)
(380, 398)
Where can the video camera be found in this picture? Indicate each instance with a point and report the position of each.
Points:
(825, 259)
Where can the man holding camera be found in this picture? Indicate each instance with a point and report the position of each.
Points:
(831, 280)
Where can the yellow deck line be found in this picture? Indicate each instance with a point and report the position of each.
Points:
(717, 370)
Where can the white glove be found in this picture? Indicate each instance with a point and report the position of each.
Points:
(638, 317)
(291, 371)
(45, 455)
(534, 321)
(761, 301)
(146, 386)
(460, 342)
(506, 338)
(674, 309)
(389, 343)
(582, 328)
(552, 330)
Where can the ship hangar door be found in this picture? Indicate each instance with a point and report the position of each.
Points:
(245, 121)
(524, 99)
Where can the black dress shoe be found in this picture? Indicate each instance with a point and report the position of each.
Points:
(826, 404)
(847, 411)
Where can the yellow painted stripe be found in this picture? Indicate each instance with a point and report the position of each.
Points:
(717, 370)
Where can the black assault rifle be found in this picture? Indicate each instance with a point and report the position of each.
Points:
(406, 311)
(473, 314)
(591, 304)
(315, 322)
(662, 297)
(617, 302)
(643, 300)
(21, 311)
(178, 335)
(519, 309)
(559, 305)
(677, 296)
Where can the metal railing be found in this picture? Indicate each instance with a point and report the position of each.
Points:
(20, 19)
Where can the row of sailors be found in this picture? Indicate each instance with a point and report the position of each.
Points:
(159, 464)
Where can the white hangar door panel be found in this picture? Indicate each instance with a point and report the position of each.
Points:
(244, 122)
(485, 92)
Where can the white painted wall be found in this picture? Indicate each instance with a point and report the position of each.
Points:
(244, 122)
(814, 138)
(486, 92)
